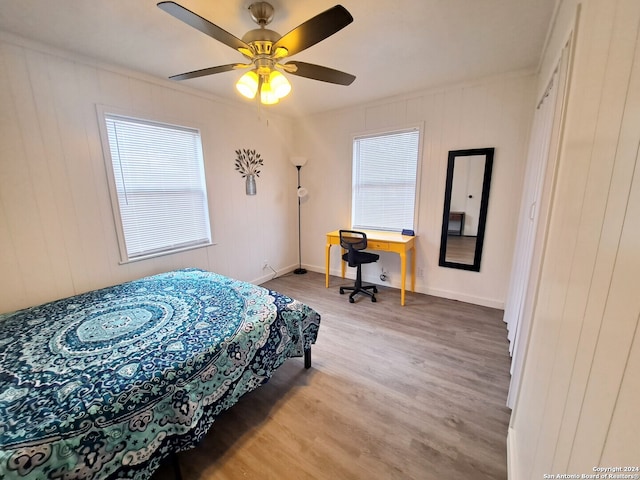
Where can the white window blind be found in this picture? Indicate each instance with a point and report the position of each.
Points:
(384, 180)
(159, 183)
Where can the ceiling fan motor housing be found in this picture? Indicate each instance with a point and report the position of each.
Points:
(261, 40)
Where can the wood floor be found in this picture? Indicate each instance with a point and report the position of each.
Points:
(414, 392)
(461, 249)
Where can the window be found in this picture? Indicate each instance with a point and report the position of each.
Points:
(384, 180)
(157, 188)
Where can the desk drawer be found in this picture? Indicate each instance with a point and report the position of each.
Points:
(376, 245)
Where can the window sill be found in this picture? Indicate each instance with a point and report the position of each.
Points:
(165, 252)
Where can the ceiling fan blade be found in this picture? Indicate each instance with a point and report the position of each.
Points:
(315, 30)
(210, 71)
(317, 72)
(202, 24)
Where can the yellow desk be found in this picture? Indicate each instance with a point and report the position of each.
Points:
(387, 242)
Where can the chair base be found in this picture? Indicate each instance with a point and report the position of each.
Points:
(369, 290)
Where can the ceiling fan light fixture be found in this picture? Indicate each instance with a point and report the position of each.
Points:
(247, 85)
(279, 84)
(267, 95)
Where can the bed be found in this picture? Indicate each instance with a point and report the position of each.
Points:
(109, 383)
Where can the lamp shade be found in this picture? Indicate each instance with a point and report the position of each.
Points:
(248, 84)
(267, 95)
(279, 84)
(271, 85)
(298, 161)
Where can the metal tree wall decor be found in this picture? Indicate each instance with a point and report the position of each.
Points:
(248, 163)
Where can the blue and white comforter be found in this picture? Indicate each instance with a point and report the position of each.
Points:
(107, 383)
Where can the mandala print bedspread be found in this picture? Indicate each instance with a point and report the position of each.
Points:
(108, 383)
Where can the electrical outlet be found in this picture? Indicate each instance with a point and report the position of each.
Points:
(420, 272)
(384, 276)
(265, 264)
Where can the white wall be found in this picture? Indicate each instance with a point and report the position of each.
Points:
(493, 112)
(577, 407)
(57, 236)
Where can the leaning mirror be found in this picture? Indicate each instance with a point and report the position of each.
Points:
(466, 200)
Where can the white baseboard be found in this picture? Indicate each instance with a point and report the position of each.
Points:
(511, 454)
(270, 275)
(461, 297)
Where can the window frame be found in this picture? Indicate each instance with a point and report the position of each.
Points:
(419, 127)
(103, 112)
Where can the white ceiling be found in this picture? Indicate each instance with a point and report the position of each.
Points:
(393, 46)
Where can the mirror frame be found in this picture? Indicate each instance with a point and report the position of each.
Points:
(484, 205)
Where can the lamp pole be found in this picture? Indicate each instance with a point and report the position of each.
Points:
(299, 270)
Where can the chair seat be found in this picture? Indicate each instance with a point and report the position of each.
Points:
(361, 257)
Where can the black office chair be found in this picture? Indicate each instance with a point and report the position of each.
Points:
(354, 242)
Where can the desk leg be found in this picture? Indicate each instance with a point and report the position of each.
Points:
(413, 269)
(343, 263)
(403, 274)
(327, 257)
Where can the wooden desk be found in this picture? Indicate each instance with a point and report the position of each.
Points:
(387, 242)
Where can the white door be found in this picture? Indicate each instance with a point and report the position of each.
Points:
(540, 171)
(475, 180)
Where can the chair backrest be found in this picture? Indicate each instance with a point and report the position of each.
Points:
(352, 240)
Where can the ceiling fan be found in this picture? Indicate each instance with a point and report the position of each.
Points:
(265, 50)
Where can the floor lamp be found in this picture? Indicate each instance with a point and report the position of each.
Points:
(298, 162)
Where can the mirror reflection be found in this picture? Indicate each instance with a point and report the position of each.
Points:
(465, 208)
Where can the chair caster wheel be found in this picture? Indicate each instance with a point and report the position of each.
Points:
(373, 299)
(375, 290)
(351, 300)
(341, 291)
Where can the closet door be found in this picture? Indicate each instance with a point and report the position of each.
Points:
(533, 219)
